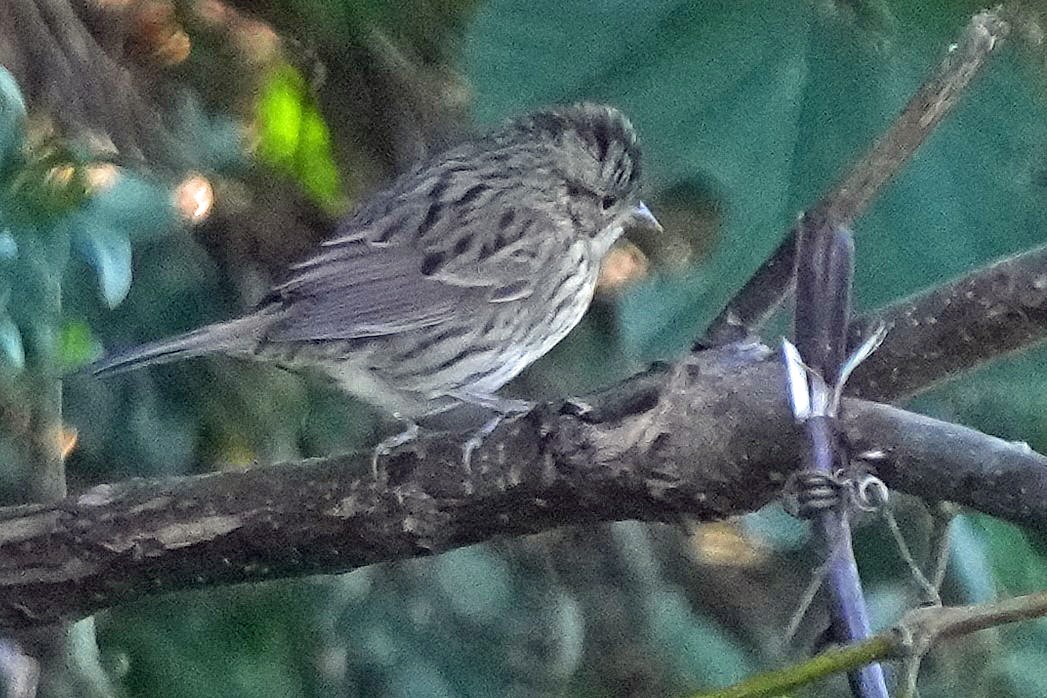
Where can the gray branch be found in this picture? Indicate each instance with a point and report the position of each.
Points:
(710, 438)
(940, 333)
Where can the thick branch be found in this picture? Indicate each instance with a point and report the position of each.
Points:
(942, 461)
(706, 440)
(955, 327)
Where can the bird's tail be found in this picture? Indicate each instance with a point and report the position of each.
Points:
(231, 337)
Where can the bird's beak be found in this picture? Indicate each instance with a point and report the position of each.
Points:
(642, 218)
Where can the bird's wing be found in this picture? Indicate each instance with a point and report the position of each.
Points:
(356, 291)
(443, 261)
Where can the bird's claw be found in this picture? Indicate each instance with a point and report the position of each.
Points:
(575, 407)
(477, 438)
(387, 446)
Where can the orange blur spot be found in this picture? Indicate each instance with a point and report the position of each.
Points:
(194, 199)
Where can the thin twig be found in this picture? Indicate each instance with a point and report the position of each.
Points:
(913, 636)
(943, 514)
(765, 291)
(928, 587)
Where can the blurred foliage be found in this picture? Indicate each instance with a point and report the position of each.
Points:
(294, 137)
(747, 111)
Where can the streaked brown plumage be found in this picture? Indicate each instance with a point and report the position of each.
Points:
(445, 285)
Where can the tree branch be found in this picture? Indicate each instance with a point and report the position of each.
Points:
(913, 636)
(944, 331)
(705, 440)
(772, 282)
(947, 462)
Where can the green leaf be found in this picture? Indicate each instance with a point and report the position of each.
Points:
(133, 206)
(8, 247)
(12, 118)
(77, 345)
(294, 137)
(11, 343)
(109, 253)
(1005, 548)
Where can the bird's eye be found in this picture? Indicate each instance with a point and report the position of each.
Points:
(608, 201)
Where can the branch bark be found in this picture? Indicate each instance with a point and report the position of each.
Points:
(705, 440)
(942, 332)
(710, 438)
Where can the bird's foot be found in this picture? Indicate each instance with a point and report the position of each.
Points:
(476, 440)
(387, 446)
(502, 406)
